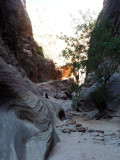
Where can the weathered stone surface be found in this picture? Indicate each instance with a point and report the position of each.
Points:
(48, 71)
(81, 129)
(55, 89)
(111, 9)
(16, 32)
(26, 118)
(112, 94)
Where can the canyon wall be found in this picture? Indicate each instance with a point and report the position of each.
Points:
(26, 118)
(111, 9)
(16, 32)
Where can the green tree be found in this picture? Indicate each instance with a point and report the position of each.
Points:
(96, 48)
(77, 45)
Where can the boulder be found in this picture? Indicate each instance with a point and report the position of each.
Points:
(112, 95)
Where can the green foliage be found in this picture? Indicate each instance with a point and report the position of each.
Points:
(39, 50)
(103, 58)
(77, 45)
(96, 48)
(104, 50)
(74, 88)
(99, 98)
(75, 100)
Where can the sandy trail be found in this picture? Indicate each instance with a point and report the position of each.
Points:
(83, 146)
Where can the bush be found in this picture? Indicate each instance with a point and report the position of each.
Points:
(77, 45)
(74, 88)
(39, 50)
(75, 100)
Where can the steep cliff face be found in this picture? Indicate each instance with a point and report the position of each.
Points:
(111, 9)
(26, 118)
(110, 52)
(16, 32)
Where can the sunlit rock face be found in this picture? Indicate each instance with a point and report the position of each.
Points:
(26, 118)
(16, 32)
(112, 10)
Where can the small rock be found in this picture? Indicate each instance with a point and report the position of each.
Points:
(58, 125)
(74, 130)
(98, 138)
(84, 114)
(95, 134)
(100, 131)
(90, 130)
(78, 125)
(67, 124)
(71, 127)
(67, 130)
(81, 129)
(72, 122)
(101, 134)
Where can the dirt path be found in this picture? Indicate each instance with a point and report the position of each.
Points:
(90, 145)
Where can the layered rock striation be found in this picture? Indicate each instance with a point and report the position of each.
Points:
(26, 118)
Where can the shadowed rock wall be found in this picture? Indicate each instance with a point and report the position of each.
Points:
(16, 32)
(111, 9)
(26, 118)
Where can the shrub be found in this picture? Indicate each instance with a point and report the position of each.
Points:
(74, 88)
(39, 50)
(75, 100)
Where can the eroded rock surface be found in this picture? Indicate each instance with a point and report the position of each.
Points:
(16, 32)
(112, 10)
(55, 89)
(26, 118)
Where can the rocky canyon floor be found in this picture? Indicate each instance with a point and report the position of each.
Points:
(83, 138)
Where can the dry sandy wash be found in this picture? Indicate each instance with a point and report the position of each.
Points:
(90, 145)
